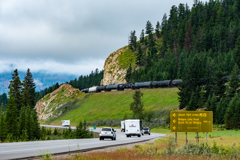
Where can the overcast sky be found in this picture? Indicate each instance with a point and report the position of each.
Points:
(71, 36)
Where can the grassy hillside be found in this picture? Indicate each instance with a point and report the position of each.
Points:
(114, 104)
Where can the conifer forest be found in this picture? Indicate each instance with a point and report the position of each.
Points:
(199, 45)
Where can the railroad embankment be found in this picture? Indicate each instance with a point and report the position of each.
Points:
(104, 105)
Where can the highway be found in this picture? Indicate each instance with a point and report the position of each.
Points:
(17, 150)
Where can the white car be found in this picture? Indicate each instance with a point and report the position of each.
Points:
(107, 133)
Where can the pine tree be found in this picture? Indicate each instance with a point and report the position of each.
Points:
(237, 52)
(139, 55)
(133, 41)
(26, 97)
(55, 132)
(234, 81)
(22, 118)
(142, 36)
(15, 87)
(202, 98)
(129, 74)
(14, 104)
(137, 105)
(149, 28)
(3, 127)
(212, 106)
(221, 110)
(236, 118)
(232, 114)
(157, 30)
(219, 83)
(31, 87)
(36, 126)
(29, 122)
(193, 103)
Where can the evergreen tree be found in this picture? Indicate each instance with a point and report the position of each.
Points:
(3, 127)
(55, 132)
(237, 52)
(232, 114)
(142, 36)
(212, 106)
(14, 104)
(137, 105)
(139, 55)
(157, 30)
(35, 126)
(15, 87)
(22, 118)
(202, 98)
(219, 83)
(30, 87)
(221, 110)
(133, 41)
(234, 81)
(129, 74)
(192, 105)
(149, 28)
(26, 97)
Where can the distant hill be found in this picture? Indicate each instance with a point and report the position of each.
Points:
(42, 80)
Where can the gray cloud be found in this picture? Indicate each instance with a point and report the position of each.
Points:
(62, 36)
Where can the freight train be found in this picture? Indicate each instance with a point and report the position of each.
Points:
(136, 85)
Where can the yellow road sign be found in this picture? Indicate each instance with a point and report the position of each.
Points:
(191, 121)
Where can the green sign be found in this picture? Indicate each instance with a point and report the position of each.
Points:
(191, 121)
(94, 127)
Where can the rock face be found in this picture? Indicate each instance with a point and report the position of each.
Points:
(113, 73)
(46, 106)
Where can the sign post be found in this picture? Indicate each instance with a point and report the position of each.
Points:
(94, 127)
(191, 121)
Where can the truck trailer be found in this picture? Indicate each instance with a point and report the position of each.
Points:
(65, 123)
(122, 126)
(133, 127)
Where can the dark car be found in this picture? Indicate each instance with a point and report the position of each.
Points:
(146, 130)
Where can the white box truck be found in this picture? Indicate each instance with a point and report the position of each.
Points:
(65, 123)
(122, 126)
(133, 127)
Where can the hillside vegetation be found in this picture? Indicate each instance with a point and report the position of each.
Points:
(115, 104)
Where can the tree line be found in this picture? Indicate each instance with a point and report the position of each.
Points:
(210, 28)
(81, 131)
(18, 122)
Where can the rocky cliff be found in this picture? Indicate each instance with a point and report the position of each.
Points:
(115, 67)
(51, 104)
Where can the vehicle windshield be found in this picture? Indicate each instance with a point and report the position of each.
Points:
(106, 129)
(145, 128)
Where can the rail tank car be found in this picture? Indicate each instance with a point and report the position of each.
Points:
(92, 89)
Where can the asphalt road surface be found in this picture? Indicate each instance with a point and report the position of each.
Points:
(18, 150)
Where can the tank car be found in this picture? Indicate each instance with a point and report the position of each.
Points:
(92, 89)
(165, 83)
(111, 87)
(138, 85)
(100, 88)
(176, 82)
(85, 90)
